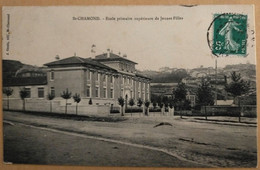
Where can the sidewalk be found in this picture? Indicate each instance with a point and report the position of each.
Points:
(224, 120)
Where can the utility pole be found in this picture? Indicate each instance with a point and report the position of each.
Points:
(216, 73)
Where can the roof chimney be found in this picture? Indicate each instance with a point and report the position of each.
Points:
(108, 53)
(57, 57)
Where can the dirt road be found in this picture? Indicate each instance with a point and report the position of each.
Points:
(30, 145)
(206, 143)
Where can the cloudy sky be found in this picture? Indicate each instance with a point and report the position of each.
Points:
(38, 34)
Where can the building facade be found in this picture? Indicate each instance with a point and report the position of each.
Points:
(102, 79)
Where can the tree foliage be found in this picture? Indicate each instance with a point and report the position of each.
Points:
(154, 104)
(237, 86)
(8, 92)
(66, 95)
(180, 92)
(167, 77)
(147, 104)
(90, 101)
(121, 102)
(77, 99)
(23, 94)
(131, 102)
(50, 97)
(139, 102)
(204, 95)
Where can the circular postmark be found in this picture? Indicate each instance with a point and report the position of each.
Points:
(227, 35)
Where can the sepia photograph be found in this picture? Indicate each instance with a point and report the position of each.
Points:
(130, 86)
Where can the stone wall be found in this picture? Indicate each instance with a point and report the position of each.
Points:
(58, 106)
(245, 110)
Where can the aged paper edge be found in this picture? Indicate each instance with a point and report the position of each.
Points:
(256, 3)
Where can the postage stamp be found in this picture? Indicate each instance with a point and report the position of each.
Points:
(230, 34)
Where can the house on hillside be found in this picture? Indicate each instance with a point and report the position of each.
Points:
(102, 79)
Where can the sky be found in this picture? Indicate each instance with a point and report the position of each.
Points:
(38, 34)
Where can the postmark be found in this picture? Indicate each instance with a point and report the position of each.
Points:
(228, 35)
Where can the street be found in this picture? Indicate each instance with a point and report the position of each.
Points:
(27, 145)
(195, 144)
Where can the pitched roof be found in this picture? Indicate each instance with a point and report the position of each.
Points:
(142, 76)
(112, 57)
(224, 102)
(77, 60)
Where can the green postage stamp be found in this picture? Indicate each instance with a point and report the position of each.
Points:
(230, 34)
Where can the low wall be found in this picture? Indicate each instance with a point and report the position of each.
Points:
(245, 110)
(42, 105)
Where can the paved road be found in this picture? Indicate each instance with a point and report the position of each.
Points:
(29, 145)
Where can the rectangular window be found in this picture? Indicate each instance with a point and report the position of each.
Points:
(111, 79)
(52, 76)
(88, 75)
(105, 78)
(104, 92)
(97, 91)
(97, 76)
(111, 93)
(40, 92)
(122, 92)
(88, 91)
(28, 90)
(52, 91)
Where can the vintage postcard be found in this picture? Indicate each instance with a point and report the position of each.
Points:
(130, 86)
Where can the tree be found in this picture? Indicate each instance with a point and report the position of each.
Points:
(237, 87)
(165, 101)
(131, 103)
(77, 99)
(147, 104)
(50, 97)
(139, 103)
(8, 92)
(205, 96)
(121, 102)
(154, 104)
(23, 95)
(66, 95)
(154, 100)
(90, 101)
(160, 104)
(180, 95)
